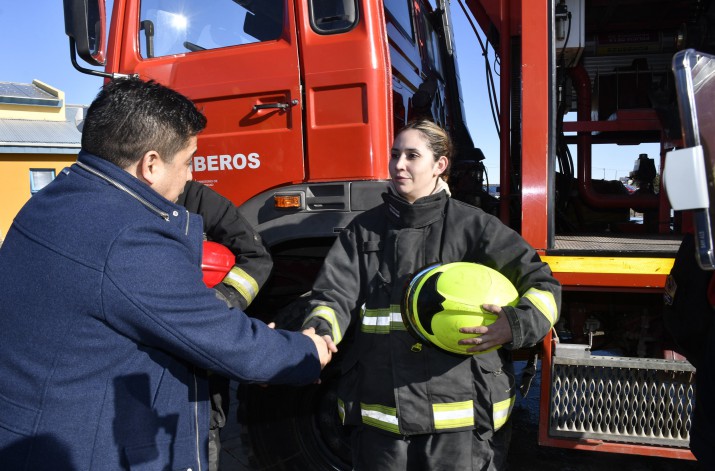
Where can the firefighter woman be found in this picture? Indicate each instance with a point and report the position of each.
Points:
(410, 405)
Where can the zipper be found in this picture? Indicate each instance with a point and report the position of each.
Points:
(186, 229)
(116, 184)
(196, 419)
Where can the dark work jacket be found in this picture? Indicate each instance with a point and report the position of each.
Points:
(689, 316)
(390, 382)
(224, 224)
(106, 329)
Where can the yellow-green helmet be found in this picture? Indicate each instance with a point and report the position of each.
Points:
(442, 298)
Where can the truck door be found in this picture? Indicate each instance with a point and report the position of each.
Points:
(238, 61)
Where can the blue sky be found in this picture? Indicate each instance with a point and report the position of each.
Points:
(34, 46)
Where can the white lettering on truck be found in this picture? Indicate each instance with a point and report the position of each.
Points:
(212, 163)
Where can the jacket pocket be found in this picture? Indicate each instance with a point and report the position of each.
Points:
(176, 455)
(349, 397)
(495, 392)
(18, 418)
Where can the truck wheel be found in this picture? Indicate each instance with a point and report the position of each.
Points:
(294, 428)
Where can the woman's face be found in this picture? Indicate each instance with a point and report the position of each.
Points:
(413, 167)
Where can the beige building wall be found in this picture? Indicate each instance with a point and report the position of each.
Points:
(15, 180)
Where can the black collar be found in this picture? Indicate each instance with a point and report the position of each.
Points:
(421, 213)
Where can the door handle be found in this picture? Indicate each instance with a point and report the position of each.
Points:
(280, 106)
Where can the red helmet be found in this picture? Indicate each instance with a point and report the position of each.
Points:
(216, 262)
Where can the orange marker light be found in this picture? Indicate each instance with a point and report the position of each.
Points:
(287, 201)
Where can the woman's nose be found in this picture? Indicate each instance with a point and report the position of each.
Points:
(400, 161)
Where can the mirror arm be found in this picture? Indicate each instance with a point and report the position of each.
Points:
(84, 70)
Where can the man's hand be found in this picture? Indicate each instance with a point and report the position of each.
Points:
(491, 336)
(331, 345)
(325, 352)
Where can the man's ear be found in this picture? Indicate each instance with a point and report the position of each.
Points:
(150, 167)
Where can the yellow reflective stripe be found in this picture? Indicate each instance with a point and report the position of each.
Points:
(381, 321)
(376, 321)
(544, 302)
(328, 314)
(243, 283)
(382, 417)
(396, 319)
(453, 415)
(341, 410)
(501, 412)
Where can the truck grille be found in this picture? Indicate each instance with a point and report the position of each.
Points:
(630, 400)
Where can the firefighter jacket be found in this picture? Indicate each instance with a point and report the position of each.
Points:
(392, 382)
(224, 224)
(106, 330)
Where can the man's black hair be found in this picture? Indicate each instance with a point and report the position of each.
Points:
(130, 117)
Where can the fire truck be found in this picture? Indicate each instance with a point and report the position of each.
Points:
(303, 98)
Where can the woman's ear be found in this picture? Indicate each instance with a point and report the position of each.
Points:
(441, 165)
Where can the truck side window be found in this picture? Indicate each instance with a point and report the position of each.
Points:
(176, 27)
(431, 44)
(333, 16)
(401, 12)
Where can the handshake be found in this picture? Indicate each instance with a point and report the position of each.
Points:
(325, 345)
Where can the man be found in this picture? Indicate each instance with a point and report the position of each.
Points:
(106, 327)
(224, 224)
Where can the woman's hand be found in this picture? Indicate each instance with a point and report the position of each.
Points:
(496, 334)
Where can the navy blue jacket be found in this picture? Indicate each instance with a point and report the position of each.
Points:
(106, 330)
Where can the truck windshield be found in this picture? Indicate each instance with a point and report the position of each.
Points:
(175, 27)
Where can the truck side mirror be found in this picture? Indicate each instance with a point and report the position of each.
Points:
(85, 24)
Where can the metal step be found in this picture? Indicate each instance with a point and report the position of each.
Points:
(621, 399)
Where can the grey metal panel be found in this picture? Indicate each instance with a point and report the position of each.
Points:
(629, 400)
(69, 150)
(622, 243)
(20, 132)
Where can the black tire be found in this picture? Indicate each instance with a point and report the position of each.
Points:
(293, 429)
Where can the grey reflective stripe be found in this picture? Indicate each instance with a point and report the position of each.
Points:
(453, 415)
(328, 314)
(381, 321)
(501, 411)
(382, 417)
(544, 303)
(449, 415)
(341, 410)
(243, 283)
